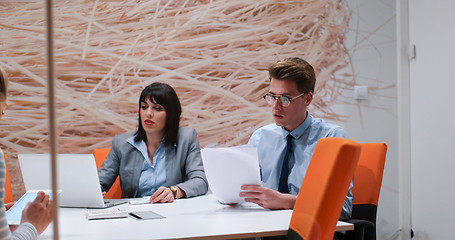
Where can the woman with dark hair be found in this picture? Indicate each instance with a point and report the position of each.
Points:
(159, 159)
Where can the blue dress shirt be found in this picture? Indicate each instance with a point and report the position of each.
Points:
(153, 175)
(270, 141)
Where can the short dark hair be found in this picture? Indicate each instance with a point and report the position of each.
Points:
(297, 70)
(164, 95)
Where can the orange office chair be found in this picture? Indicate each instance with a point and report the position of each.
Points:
(324, 188)
(367, 185)
(114, 192)
(8, 190)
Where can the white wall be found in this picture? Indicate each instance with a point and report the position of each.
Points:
(426, 94)
(373, 42)
(432, 86)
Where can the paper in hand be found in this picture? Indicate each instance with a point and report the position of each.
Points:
(227, 169)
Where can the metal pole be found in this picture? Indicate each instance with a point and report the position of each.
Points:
(51, 111)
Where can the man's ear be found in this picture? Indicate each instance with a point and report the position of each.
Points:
(308, 98)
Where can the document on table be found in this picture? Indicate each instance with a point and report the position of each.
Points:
(227, 169)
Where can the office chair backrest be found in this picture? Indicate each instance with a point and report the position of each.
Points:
(368, 176)
(324, 188)
(115, 191)
(367, 186)
(8, 190)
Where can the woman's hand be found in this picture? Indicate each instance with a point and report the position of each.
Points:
(162, 195)
(38, 212)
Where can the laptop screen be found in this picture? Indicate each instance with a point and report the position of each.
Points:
(77, 178)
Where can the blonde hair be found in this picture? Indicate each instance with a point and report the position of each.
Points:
(3, 84)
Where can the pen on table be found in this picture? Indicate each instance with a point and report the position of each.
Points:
(140, 201)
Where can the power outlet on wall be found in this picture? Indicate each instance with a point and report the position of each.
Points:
(360, 92)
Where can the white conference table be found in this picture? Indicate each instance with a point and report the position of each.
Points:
(196, 218)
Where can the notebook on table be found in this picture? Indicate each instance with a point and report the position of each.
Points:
(77, 178)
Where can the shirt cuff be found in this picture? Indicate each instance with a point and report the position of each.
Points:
(26, 231)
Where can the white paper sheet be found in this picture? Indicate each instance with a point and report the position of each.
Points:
(227, 169)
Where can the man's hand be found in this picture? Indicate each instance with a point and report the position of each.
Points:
(162, 195)
(38, 212)
(267, 198)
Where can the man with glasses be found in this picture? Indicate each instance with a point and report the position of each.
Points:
(285, 147)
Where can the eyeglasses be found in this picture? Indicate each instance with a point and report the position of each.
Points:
(284, 100)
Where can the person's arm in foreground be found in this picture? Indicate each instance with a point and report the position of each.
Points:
(267, 198)
(36, 216)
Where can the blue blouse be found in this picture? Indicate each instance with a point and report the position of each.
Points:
(153, 175)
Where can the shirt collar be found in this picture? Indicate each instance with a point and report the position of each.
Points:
(139, 145)
(298, 132)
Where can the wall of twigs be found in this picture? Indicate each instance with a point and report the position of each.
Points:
(213, 52)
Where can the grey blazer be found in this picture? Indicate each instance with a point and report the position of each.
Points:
(183, 165)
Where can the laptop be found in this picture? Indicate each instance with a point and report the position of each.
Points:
(77, 178)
